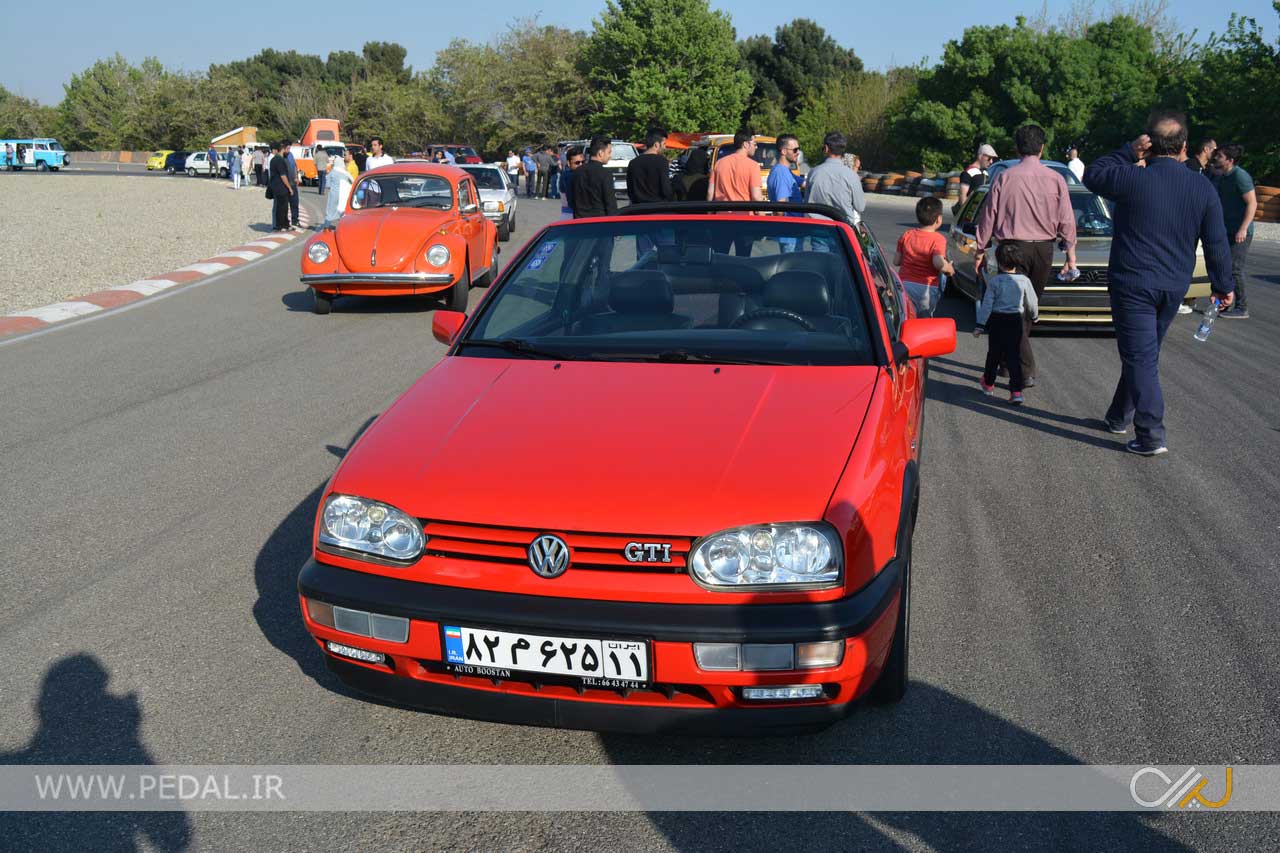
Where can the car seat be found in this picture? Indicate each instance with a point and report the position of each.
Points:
(639, 300)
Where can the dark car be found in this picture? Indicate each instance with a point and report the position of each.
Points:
(176, 162)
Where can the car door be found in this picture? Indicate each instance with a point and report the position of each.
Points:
(906, 374)
(964, 243)
(471, 221)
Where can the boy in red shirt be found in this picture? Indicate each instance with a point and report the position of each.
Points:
(922, 258)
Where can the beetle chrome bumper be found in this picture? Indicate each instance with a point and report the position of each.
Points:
(378, 278)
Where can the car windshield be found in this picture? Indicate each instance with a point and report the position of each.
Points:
(766, 153)
(486, 179)
(56, 146)
(1059, 168)
(403, 191)
(464, 151)
(1093, 219)
(624, 151)
(672, 291)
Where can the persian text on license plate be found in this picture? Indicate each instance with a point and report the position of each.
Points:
(607, 660)
(619, 185)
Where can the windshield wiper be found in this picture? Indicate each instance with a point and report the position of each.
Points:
(683, 355)
(517, 345)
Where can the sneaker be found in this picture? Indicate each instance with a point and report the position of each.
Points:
(1029, 382)
(989, 390)
(1141, 449)
(1015, 398)
(1235, 314)
(1184, 308)
(1115, 428)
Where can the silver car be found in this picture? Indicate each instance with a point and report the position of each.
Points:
(498, 196)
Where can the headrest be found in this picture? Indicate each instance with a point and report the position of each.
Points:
(641, 292)
(691, 254)
(798, 291)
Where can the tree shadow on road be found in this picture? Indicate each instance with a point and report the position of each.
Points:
(81, 723)
(930, 726)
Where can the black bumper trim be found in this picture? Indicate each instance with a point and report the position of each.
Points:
(759, 623)
(456, 701)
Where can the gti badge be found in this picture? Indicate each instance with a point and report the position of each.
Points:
(548, 556)
(647, 552)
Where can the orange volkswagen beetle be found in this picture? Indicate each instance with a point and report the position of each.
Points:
(409, 229)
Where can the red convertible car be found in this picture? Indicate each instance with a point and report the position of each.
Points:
(652, 486)
(409, 229)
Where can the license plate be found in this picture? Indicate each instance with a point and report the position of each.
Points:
(591, 661)
(619, 185)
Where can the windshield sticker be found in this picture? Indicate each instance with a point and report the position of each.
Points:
(541, 254)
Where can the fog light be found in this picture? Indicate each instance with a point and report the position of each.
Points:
(393, 629)
(356, 654)
(351, 621)
(812, 655)
(767, 656)
(783, 694)
(722, 656)
(320, 613)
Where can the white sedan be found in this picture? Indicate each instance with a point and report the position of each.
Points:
(498, 196)
(198, 164)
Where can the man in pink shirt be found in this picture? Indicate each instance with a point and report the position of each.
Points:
(1029, 205)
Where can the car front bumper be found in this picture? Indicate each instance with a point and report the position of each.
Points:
(680, 698)
(412, 278)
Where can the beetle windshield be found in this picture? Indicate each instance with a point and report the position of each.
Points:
(774, 291)
(403, 191)
(487, 178)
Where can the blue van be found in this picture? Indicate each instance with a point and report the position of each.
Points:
(40, 154)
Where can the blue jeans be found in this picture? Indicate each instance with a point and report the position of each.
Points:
(1142, 316)
(924, 297)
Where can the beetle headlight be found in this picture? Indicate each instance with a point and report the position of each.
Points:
(318, 252)
(375, 528)
(437, 255)
(769, 555)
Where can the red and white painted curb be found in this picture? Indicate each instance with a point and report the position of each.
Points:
(34, 319)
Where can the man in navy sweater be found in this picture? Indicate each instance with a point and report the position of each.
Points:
(1160, 213)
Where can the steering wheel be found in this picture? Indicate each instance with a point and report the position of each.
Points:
(773, 314)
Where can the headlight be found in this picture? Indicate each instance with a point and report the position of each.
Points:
(318, 252)
(767, 555)
(494, 206)
(437, 256)
(374, 528)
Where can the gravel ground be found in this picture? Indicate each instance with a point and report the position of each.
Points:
(94, 232)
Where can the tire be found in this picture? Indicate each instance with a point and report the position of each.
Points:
(455, 298)
(892, 684)
(42, 166)
(492, 275)
(511, 226)
(191, 171)
(504, 231)
(322, 302)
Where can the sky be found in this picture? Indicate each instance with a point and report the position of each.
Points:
(39, 54)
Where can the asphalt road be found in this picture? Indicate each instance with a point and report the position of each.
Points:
(1074, 604)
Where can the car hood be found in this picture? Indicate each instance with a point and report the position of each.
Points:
(396, 232)
(673, 449)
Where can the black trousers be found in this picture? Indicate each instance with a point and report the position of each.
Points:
(257, 173)
(1038, 256)
(1004, 339)
(293, 203)
(1239, 254)
(280, 211)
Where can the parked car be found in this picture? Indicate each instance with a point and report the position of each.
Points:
(1084, 301)
(623, 153)
(176, 162)
(409, 229)
(498, 197)
(43, 154)
(157, 159)
(1060, 168)
(198, 164)
(304, 157)
(721, 145)
(694, 502)
(462, 154)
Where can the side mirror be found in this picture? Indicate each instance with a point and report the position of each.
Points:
(926, 337)
(470, 208)
(445, 326)
(969, 228)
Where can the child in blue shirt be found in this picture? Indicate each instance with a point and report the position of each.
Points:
(1000, 314)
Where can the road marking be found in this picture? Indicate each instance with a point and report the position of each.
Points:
(146, 286)
(235, 253)
(204, 268)
(59, 311)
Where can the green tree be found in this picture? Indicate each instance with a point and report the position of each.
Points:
(24, 117)
(96, 105)
(386, 59)
(666, 63)
(858, 105)
(799, 61)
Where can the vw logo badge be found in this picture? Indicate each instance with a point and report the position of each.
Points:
(548, 556)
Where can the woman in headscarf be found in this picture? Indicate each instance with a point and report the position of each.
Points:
(338, 182)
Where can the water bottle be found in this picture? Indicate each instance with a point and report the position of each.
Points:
(1206, 325)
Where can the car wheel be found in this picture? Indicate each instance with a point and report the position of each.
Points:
(42, 167)
(322, 304)
(492, 275)
(511, 226)
(892, 684)
(504, 231)
(456, 297)
(191, 172)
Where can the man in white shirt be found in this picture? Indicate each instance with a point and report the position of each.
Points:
(377, 157)
(1075, 164)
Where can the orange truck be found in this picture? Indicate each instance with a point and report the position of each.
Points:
(322, 133)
